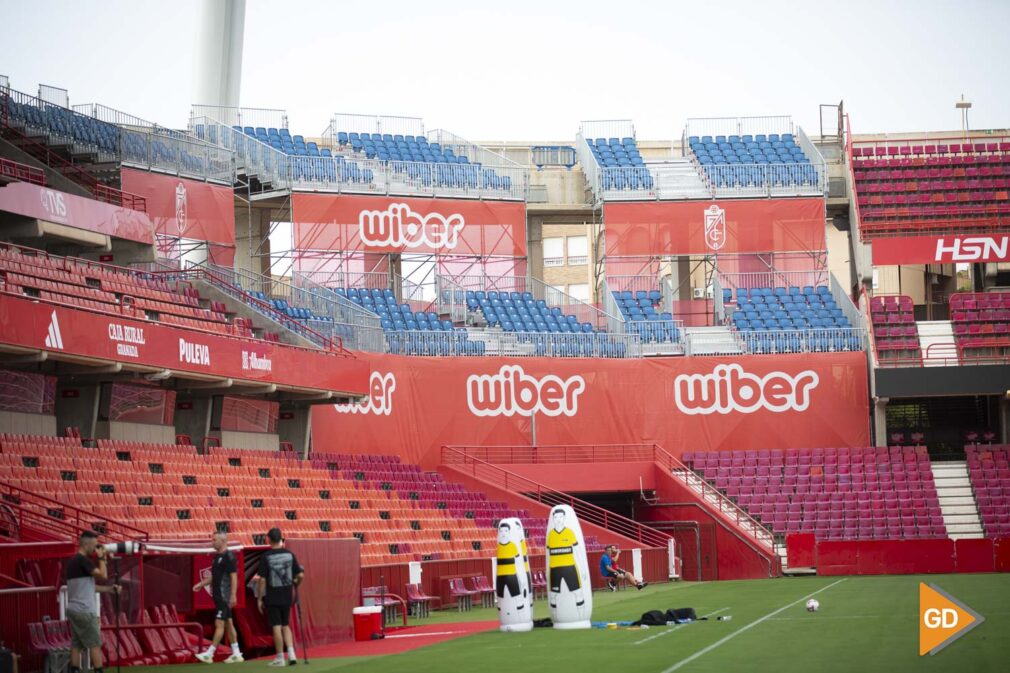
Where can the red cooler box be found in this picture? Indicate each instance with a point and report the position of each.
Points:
(367, 621)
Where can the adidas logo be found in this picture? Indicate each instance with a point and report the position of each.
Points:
(55, 338)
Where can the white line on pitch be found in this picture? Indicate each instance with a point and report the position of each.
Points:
(724, 640)
(674, 628)
(424, 635)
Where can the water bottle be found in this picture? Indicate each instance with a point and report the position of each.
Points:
(724, 618)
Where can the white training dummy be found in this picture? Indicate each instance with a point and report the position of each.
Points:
(570, 594)
(512, 586)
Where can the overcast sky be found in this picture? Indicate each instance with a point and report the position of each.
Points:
(530, 69)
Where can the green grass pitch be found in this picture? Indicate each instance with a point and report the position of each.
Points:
(864, 624)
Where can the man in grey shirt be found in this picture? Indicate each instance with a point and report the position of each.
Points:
(82, 611)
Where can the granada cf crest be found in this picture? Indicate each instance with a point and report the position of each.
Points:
(180, 208)
(715, 227)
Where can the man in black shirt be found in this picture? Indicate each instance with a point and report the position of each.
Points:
(82, 611)
(223, 582)
(279, 574)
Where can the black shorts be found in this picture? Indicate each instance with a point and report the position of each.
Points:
(222, 610)
(567, 573)
(510, 581)
(278, 615)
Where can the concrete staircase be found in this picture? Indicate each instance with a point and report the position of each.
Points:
(957, 502)
(679, 179)
(940, 335)
(712, 341)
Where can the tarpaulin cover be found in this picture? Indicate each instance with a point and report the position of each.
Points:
(709, 227)
(184, 208)
(418, 404)
(397, 224)
(331, 588)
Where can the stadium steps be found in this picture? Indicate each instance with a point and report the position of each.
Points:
(957, 502)
(940, 335)
(679, 179)
(712, 341)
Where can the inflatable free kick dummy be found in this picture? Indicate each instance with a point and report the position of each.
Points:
(512, 587)
(570, 594)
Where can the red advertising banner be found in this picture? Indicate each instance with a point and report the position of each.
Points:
(941, 249)
(50, 205)
(394, 224)
(711, 227)
(38, 325)
(185, 208)
(417, 404)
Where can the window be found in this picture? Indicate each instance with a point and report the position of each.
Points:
(578, 250)
(579, 291)
(554, 251)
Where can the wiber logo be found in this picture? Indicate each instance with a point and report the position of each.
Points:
(513, 392)
(54, 339)
(194, 354)
(398, 226)
(730, 389)
(972, 249)
(715, 227)
(379, 400)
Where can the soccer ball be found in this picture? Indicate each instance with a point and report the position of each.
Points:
(812, 605)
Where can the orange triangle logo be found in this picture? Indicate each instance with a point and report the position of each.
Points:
(942, 619)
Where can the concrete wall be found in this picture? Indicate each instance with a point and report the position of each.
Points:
(247, 440)
(136, 432)
(17, 423)
(77, 406)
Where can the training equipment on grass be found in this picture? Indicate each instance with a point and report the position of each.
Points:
(571, 595)
(813, 605)
(513, 587)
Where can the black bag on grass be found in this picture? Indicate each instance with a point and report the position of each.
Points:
(660, 618)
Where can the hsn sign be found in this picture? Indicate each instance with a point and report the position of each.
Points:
(941, 249)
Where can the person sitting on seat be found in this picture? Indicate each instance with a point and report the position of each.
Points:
(612, 573)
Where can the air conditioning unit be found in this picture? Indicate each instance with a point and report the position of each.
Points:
(709, 292)
(698, 293)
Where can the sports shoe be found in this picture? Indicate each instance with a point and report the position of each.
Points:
(642, 585)
(205, 657)
(293, 662)
(235, 658)
(277, 663)
(612, 585)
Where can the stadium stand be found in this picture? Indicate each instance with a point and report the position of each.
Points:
(989, 471)
(792, 319)
(107, 289)
(894, 330)
(641, 311)
(981, 322)
(837, 494)
(921, 184)
(752, 160)
(174, 493)
(520, 312)
(621, 153)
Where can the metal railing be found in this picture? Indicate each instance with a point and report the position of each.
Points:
(450, 299)
(479, 342)
(365, 123)
(61, 519)
(733, 180)
(714, 343)
(334, 317)
(772, 279)
(586, 512)
(168, 151)
(12, 170)
(347, 279)
(620, 453)
(844, 301)
(736, 126)
(814, 340)
(617, 323)
(225, 283)
(607, 128)
(242, 116)
(552, 155)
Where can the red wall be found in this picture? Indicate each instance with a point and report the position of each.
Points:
(589, 477)
(735, 559)
(901, 557)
